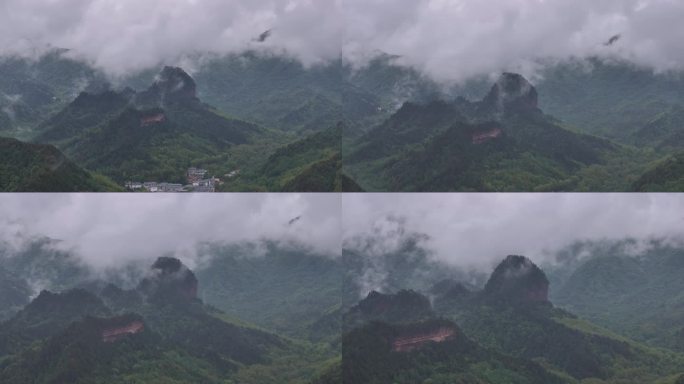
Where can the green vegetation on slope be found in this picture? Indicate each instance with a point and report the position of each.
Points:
(666, 175)
(503, 143)
(634, 295)
(158, 332)
(283, 290)
(310, 164)
(43, 168)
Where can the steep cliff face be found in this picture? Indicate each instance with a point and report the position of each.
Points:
(512, 93)
(111, 335)
(411, 340)
(171, 86)
(518, 279)
(169, 279)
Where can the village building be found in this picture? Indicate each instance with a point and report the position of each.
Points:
(133, 185)
(195, 175)
(151, 186)
(170, 187)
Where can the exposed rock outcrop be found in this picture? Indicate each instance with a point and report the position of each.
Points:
(511, 93)
(411, 341)
(172, 85)
(169, 279)
(518, 279)
(110, 335)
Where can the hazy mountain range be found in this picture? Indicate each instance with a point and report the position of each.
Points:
(586, 125)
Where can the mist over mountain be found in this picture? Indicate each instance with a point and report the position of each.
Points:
(107, 231)
(616, 115)
(507, 331)
(82, 335)
(428, 35)
(472, 230)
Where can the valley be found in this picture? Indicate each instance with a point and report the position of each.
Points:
(388, 127)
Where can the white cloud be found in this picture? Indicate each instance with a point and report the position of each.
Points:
(120, 36)
(479, 230)
(457, 39)
(110, 230)
(450, 40)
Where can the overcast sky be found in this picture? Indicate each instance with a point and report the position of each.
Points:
(479, 230)
(107, 230)
(469, 230)
(447, 39)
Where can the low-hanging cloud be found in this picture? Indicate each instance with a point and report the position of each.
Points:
(449, 40)
(111, 230)
(121, 36)
(479, 230)
(453, 40)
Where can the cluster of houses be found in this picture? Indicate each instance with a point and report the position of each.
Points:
(197, 182)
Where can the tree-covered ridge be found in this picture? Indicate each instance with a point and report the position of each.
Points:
(43, 168)
(309, 164)
(509, 332)
(152, 135)
(405, 306)
(276, 92)
(634, 295)
(425, 145)
(293, 292)
(666, 175)
(32, 90)
(156, 332)
(608, 98)
(502, 143)
(368, 357)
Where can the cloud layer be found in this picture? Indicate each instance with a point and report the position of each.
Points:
(121, 36)
(458, 39)
(110, 230)
(450, 40)
(478, 230)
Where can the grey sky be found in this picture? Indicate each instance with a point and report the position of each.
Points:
(477, 230)
(447, 39)
(457, 39)
(470, 230)
(107, 230)
(127, 35)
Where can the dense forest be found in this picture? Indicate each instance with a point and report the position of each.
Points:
(255, 121)
(505, 332)
(157, 331)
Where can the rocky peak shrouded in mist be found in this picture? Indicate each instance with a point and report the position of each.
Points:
(518, 279)
(171, 86)
(169, 278)
(511, 93)
(404, 306)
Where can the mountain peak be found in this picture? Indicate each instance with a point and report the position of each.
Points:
(172, 85)
(169, 278)
(518, 279)
(512, 92)
(404, 306)
(175, 81)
